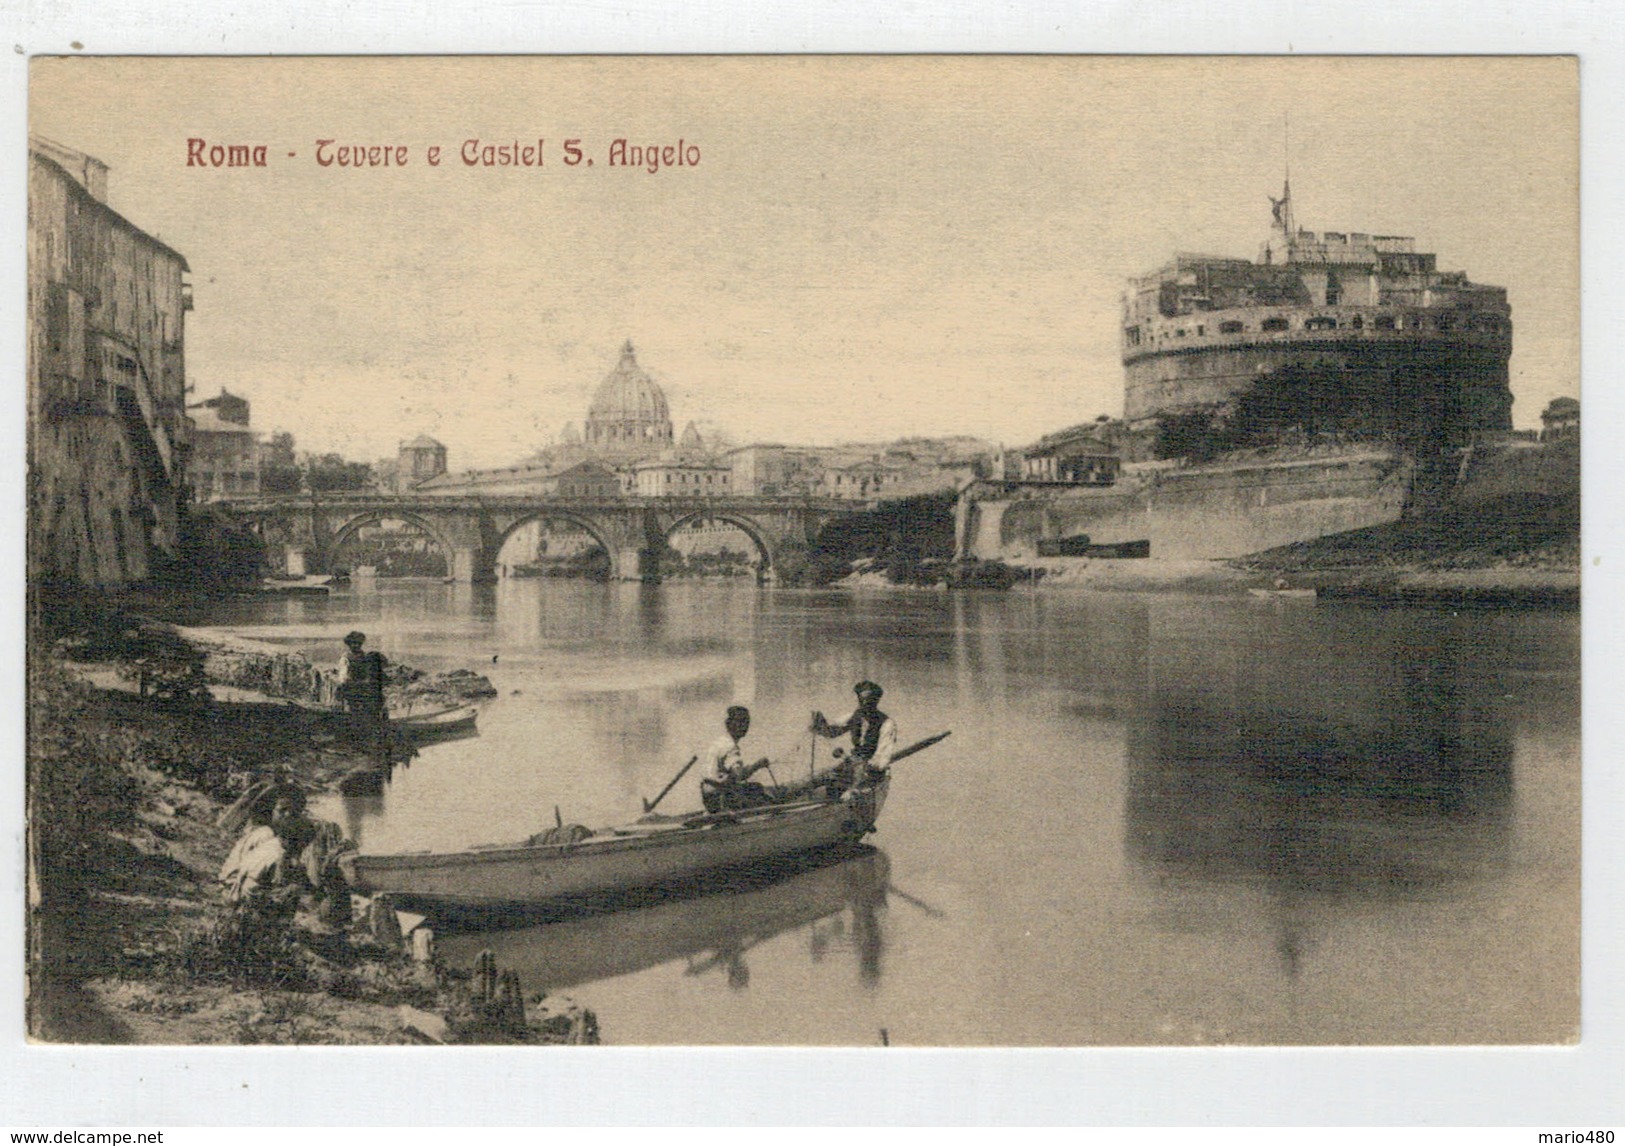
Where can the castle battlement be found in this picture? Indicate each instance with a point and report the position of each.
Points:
(1202, 329)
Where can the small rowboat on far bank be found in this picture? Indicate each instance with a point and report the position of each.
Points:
(440, 724)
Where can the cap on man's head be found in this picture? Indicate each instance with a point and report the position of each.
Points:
(868, 687)
(355, 637)
(738, 711)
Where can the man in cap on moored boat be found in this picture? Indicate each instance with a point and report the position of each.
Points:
(360, 684)
(874, 736)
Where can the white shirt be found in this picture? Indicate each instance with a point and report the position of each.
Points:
(723, 758)
(250, 861)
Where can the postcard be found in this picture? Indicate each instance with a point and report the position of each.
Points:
(804, 551)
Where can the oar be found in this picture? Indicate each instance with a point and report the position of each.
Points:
(921, 746)
(649, 805)
(933, 912)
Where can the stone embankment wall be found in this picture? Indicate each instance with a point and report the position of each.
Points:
(1222, 509)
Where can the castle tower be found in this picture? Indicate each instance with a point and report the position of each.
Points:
(1427, 349)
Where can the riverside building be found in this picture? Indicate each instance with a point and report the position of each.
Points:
(109, 437)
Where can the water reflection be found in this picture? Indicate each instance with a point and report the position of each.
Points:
(714, 933)
(1325, 775)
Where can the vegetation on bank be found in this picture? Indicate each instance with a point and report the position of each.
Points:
(1520, 532)
(590, 565)
(218, 554)
(130, 938)
(909, 541)
(1310, 404)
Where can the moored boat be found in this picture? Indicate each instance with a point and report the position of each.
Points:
(565, 866)
(441, 724)
(303, 587)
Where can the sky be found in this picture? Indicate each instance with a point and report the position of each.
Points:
(868, 247)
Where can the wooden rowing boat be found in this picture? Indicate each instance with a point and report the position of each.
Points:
(1284, 594)
(441, 724)
(655, 852)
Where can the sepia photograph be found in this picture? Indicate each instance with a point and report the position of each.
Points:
(803, 551)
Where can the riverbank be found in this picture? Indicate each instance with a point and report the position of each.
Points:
(1516, 550)
(1503, 586)
(126, 917)
(1499, 585)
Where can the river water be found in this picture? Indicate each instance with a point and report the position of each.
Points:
(1160, 819)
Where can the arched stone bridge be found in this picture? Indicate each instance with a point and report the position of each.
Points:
(308, 530)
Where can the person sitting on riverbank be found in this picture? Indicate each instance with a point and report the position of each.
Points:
(874, 736)
(286, 861)
(726, 786)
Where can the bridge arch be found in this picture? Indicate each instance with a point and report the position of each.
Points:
(347, 532)
(742, 522)
(581, 521)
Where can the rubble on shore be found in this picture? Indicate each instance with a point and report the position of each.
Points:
(272, 671)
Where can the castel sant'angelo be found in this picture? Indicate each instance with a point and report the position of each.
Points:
(1428, 347)
(1338, 382)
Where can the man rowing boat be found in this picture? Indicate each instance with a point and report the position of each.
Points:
(726, 786)
(874, 736)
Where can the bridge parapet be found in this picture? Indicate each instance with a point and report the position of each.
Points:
(511, 501)
(471, 530)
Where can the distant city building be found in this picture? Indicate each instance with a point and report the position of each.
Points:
(628, 422)
(108, 433)
(710, 536)
(227, 406)
(588, 479)
(857, 481)
(525, 478)
(1073, 456)
(418, 461)
(629, 440)
(763, 470)
(628, 418)
(226, 453)
(676, 478)
(1430, 346)
(1560, 419)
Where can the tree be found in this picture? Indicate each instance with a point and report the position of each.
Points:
(1196, 435)
(217, 551)
(329, 473)
(279, 469)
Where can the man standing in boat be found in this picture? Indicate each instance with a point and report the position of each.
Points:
(726, 785)
(874, 736)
